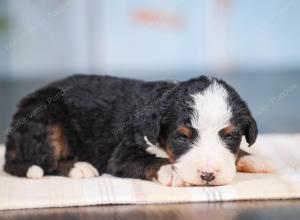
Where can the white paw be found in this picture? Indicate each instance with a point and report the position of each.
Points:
(35, 172)
(167, 176)
(83, 170)
(255, 164)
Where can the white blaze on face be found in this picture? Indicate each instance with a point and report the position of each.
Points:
(211, 113)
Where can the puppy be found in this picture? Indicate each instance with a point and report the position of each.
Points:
(179, 134)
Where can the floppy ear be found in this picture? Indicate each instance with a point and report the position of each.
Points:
(155, 115)
(149, 124)
(250, 130)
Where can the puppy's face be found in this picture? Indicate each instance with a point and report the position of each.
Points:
(204, 140)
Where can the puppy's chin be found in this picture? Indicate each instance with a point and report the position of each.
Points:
(191, 166)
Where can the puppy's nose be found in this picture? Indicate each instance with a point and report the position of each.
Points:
(207, 176)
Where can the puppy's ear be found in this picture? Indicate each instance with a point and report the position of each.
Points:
(154, 116)
(150, 124)
(250, 130)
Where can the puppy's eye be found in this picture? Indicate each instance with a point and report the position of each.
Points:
(182, 137)
(229, 133)
(184, 133)
(229, 137)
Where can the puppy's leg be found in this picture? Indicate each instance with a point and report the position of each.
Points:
(134, 162)
(23, 169)
(168, 176)
(81, 170)
(37, 140)
(28, 155)
(253, 163)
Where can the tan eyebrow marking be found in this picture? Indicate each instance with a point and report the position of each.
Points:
(186, 131)
(229, 129)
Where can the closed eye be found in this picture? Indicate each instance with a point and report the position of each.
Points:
(229, 133)
(185, 133)
(229, 137)
(182, 136)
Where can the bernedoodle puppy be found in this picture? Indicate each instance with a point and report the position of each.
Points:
(177, 133)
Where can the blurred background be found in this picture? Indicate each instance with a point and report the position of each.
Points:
(252, 44)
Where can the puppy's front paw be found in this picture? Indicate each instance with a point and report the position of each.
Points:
(83, 170)
(167, 176)
(255, 164)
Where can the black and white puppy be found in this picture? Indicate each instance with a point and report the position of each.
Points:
(179, 134)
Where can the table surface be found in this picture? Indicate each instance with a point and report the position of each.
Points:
(256, 210)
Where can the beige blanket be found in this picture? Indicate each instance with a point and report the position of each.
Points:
(284, 150)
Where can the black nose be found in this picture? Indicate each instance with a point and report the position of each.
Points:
(208, 177)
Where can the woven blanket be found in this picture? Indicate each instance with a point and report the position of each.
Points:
(52, 191)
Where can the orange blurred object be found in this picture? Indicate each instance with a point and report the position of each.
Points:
(158, 18)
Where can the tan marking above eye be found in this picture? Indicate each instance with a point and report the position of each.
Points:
(229, 129)
(186, 131)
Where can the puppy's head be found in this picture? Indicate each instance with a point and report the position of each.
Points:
(200, 125)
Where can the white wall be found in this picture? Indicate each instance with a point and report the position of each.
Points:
(66, 36)
(47, 37)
